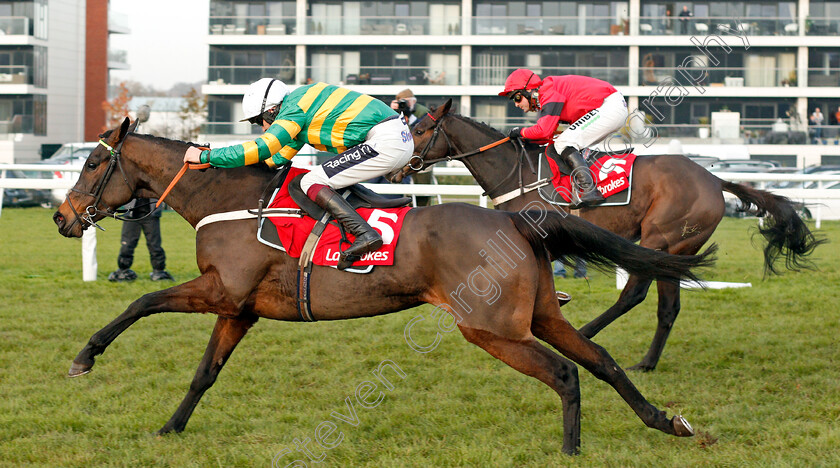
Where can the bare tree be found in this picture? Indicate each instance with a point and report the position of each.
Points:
(193, 114)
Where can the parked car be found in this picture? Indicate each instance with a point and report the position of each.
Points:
(71, 155)
(25, 197)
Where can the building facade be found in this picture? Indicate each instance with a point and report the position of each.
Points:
(679, 63)
(51, 88)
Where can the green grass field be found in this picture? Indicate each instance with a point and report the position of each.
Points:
(756, 371)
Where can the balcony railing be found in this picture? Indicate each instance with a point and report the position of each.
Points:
(702, 26)
(253, 25)
(384, 26)
(822, 26)
(247, 75)
(18, 124)
(567, 25)
(824, 77)
(495, 76)
(722, 76)
(387, 75)
(16, 74)
(15, 25)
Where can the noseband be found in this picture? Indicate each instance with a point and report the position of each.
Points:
(92, 210)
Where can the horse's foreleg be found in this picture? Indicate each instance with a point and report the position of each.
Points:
(531, 358)
(203, 294)
(666, 314)
(227, 333)
(555, 330)
(631, 296)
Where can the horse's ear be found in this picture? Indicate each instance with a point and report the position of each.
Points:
(123, 129)
(446, 106)
(133, 125)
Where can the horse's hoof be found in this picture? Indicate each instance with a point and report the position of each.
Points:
(77, 369)
(563, 298)
(681, 427)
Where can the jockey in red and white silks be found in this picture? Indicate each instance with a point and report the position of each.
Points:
(594, 108)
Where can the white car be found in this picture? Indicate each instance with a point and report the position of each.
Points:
(72, 155)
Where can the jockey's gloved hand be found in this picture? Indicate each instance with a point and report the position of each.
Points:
(515, 133)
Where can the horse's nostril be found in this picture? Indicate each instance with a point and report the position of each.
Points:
(58, 218)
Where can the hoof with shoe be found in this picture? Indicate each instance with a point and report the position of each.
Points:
(77, 369)
(563, 298)
(681, 427)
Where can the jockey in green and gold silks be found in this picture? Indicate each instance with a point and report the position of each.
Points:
(369, 137)
(327, 117)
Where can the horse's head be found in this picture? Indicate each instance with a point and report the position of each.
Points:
(102, 187)
(428, 144)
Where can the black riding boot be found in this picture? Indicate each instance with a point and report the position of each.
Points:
(581, 180)
(367, 239)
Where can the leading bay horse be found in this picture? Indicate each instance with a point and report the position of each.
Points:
(442, 250)
(675, 206)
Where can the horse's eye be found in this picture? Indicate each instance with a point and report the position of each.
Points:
(91, 165)
(419, 132)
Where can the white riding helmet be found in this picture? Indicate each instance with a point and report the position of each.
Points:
(261, 95)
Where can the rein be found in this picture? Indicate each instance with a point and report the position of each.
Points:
(115, 162)
(517, 169)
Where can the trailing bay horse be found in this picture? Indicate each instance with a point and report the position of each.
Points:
(441, 250)
(675, 206)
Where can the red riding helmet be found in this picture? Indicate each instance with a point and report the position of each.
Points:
(520, 80)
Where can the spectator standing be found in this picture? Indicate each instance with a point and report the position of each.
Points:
(130, 237)
(817, 120)
(684, 19)
(580, 268)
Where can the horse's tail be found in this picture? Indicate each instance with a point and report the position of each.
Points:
(786, 234)
(564, 235)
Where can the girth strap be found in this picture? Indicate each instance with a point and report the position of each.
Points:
(305, 269)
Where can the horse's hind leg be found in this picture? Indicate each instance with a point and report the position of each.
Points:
(633, 294)
(203, 294)
(666, 315)
(550, 326)
(531, 358)
(227, 333)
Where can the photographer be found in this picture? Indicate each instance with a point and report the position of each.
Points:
(406, 104)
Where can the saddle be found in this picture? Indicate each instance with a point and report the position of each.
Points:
(589, 155)
(359, 197)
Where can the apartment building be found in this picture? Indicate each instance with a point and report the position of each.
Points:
(680, 63)
(54, 64)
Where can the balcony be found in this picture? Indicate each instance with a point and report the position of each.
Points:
(702, 26)
(243, 75)
(384, 26)
(822, 26)
(252, 25)
(15, 26)
(565, 25)
(16, 74)
(495, 76)
(17, 123)
(386, 75)
(822, 77)
(723, 76)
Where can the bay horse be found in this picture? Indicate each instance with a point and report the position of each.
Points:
(441, 249)
(675, 206)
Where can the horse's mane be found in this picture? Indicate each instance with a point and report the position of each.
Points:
(172, 144)
(484, 127)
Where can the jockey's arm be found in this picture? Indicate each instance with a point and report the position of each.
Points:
(278, 143)
(543, 130)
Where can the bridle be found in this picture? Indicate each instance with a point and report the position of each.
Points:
(115, 162)
(418, 162)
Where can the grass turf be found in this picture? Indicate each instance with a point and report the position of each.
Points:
(755, 370)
